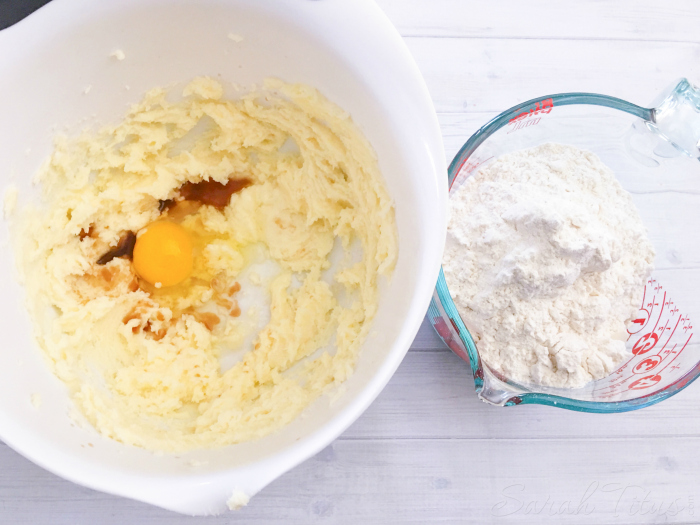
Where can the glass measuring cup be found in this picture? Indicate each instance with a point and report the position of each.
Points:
(654, 154)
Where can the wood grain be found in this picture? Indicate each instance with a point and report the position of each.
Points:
(465, 75)
(432, 396)
(645, 20)
(641, 480)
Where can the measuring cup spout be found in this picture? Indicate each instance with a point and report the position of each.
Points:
(676, 117)
(496, 392)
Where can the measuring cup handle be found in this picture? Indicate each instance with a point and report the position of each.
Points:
(676, 117)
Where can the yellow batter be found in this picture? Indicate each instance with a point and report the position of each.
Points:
(143, 362)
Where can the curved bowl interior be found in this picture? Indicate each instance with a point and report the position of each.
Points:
(350, 52)
(665, 187)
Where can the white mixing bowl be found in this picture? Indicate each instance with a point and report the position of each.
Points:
(56, 71)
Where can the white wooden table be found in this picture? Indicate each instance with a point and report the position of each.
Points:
(427, 450)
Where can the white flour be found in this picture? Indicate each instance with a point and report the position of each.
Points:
(546, 260)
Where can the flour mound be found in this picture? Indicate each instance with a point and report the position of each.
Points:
(546, 260)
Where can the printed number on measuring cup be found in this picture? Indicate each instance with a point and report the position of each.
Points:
(645, 343)
(645, 382)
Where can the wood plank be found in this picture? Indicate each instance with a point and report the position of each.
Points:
(432, 396)
(465, 75)
(484, 481)
(458, 127)
(620, 20)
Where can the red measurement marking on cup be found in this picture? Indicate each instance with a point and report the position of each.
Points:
(645, 382)
(530, 117)
(467, 168)
(646, 364)
(525, 119)
(645, 343)
(544, 106)
(658, 335)
(447, 335)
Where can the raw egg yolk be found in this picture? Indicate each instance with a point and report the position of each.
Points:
(163, 254)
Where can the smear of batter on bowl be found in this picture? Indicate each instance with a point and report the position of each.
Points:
(140, 343)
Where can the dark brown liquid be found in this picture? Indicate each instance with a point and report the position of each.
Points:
(125, 247)
(87, 233)
(213, 193)
(166, 204)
